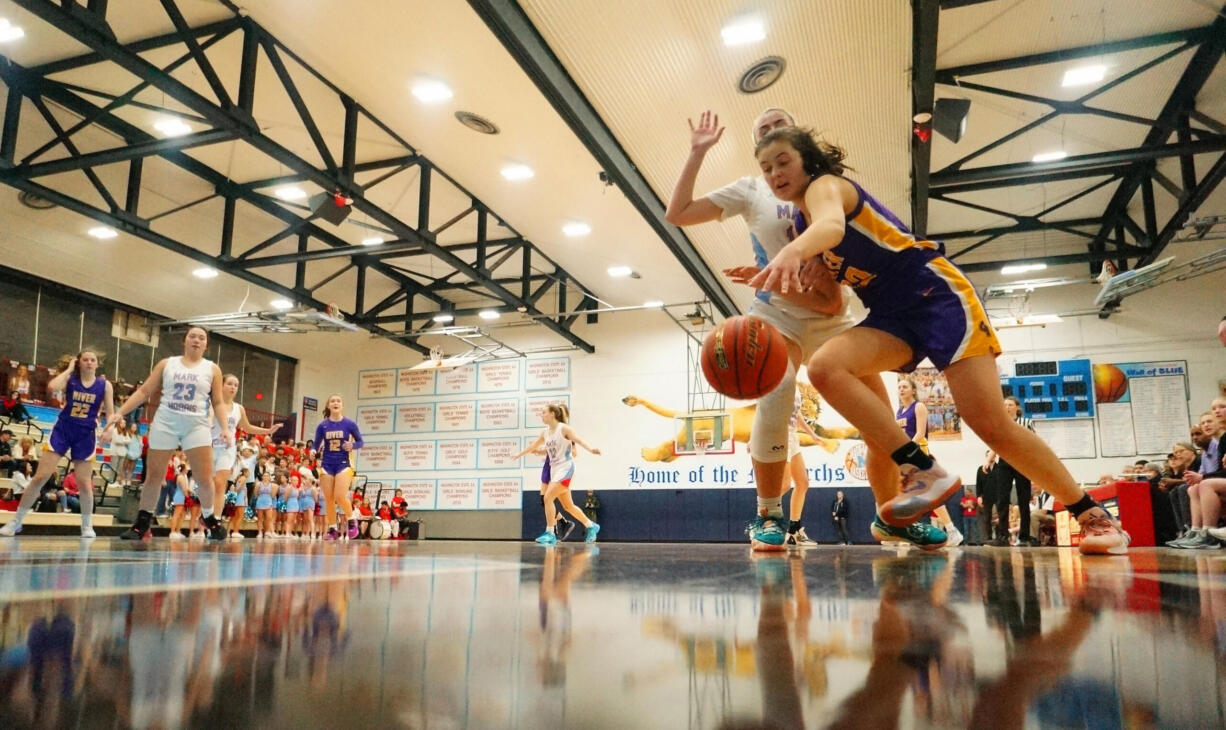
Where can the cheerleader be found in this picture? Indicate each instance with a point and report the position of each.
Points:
(264, 508)
(292, 509)
(188, 385)
(282, 504)
(236, 502)
(306, 511)
(180, 501)
(338, 438)
(87, 394)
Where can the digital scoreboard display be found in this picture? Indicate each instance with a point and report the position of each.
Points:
(1052, 388)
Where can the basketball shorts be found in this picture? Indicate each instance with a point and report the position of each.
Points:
(545, 473)
(562, 473)
(335, 469)
(223, 458)
(809, 333)
(75, 442)
(944, 322)
(793, 444)
(171, 430)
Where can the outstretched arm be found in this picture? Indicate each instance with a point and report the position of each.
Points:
(540, 440)
(632, 401)
(683, 210)
(246, 425)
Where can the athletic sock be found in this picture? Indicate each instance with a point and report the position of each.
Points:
(21, 514)
(911, 453)
(794, 527)
(1084, 504)
(87, 518)
(206, 513)
(770, 506)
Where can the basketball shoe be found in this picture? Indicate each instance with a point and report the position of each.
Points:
(923, 490)
(767, 533)
(589, 533)
(921, 534)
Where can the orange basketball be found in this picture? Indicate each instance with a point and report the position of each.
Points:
(744, 358)
(1110, 383)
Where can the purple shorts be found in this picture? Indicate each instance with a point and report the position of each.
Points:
(944, 321)
(75, 442)
(333, 468)
(545, 472)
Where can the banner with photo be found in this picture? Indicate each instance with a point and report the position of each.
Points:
(944, 423)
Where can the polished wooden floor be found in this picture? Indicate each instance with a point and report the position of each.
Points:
(486, 635)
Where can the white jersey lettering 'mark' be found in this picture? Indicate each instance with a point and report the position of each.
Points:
(187, 390)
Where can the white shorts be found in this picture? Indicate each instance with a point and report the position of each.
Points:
(808, 332)
(223, 458)
(171, 430)
(793, 445)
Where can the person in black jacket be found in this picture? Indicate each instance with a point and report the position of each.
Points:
(838, 512)
(987, 487)
(1012, 480)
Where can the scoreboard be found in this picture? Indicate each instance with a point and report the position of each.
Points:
(1052, 389)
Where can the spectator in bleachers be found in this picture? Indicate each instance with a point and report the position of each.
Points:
(70, 493)
(14, 409)
(7, 462)
(21, 478)
(1206, 485)
(1183, 456)
(131, 454)
(20, 382)
(25, 450)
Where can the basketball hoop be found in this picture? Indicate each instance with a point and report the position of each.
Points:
(436, 354)
(701, 442)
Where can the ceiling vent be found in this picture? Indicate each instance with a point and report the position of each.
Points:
(477, 123)
(761, 75)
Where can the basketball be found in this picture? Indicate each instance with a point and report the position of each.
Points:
(1110, 383)
(744, 358)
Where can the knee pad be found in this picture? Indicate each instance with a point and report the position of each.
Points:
(768, 441)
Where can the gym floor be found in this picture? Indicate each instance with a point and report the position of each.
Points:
(507, 635)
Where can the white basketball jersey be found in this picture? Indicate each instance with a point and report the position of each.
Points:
(231, 426)
(187, 390)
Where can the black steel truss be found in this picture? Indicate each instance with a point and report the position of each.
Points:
(500, 265)
(1114, 235)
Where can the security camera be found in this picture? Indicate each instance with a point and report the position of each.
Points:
(604, 178)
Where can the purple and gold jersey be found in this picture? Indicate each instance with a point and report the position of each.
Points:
(331, 437)
(81, 404)
(878, 255)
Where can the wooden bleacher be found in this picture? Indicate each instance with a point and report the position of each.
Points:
(59, 519)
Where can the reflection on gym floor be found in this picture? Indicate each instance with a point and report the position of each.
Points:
(506, 635)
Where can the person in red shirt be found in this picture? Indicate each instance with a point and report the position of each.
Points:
(70, 493)
(385, 512)
(970, 518)
(363, 507)
(398, 500)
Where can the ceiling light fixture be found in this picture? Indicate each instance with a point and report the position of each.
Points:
(372, 241)
(516, 173)
(621, 272)
(290, 192)
(282, 304)
(653, 304)
(574, 229)
(742, 31)
(10, 32)
(103, 233)
(431, 91)
(1083, 75)
(1016, 269)
(172, 127)
(488, 314)
(1049, 156)
(205, 272)
(443, 317)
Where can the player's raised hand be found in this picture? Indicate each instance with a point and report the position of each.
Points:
(707, 133)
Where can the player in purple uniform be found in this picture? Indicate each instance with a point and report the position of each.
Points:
(337, 438)
(920, 305)
(86, 394)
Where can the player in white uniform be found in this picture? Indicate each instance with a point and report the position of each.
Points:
(770, 221)
(225, 451)
(188, 386)
(559, 441)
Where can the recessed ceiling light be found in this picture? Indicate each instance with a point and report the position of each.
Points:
(745, 30)
(516, 173)
(1049, 156)
(431, 91)
(1083, 75)
(488, 314)
(172, 127)
(282, 304)
(290, 192)
(372, 241)
(443, 317)
(205, 272)
(620, 272)
(653, 303)
(574, 229)
(10, 32)
(1022, 269)
(102, 232)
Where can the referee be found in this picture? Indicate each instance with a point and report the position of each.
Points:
(1010, 480)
